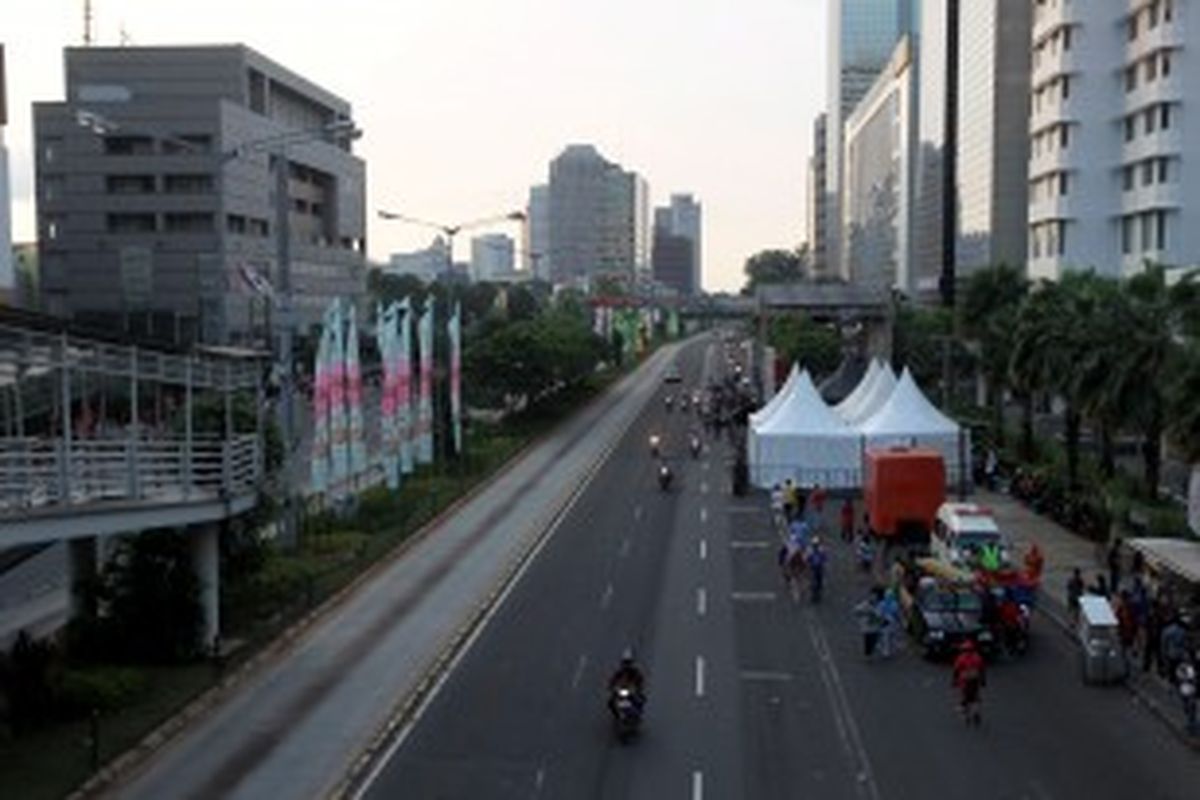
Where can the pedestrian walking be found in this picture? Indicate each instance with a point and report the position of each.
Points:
(847, 520)
(817, 559)
(789, 500)
(1114, 564)
(865, 551)
(889, 612)
(1174, 646)
(1126, 626)
(869, 621)
(1074, 592)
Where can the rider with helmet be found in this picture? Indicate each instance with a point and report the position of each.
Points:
(627, 674)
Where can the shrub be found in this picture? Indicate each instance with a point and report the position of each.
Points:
(104, 688)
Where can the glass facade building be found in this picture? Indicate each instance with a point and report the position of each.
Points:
(862, 35)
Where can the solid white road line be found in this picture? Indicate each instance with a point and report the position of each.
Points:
(703, 549)
(697, 785)
(624, 551)
(765, 676)
(749, 544)
(704, 515)
(754, 597)
(703, 487)
(699, 676)
(606, 596)
(539, 780)
(637, 512)
(580, 666)
(701, 601)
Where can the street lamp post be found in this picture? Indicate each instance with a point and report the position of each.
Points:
(450, 231)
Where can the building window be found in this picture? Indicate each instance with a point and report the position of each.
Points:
(53, 226)
(1152, 15)
(1151, 69)
(1066, 37)
(258, 227)
(1127, 178)
(1166, 7)
(1130, 79)
(131, 223)
(129, 184)
(200, 183)
(1130, 128)
(1164, 121)
(1163, 171)
(1062, 183)
(1147, 172)
(235, 223)
(1161, 225)
(1147, 232)
(1064, 136)
(187, 222)
(51, 147)
(1151, 119)
(1127, 235)
(1166, 63)
(1066, 87)
(128, 145)
(1133, 27)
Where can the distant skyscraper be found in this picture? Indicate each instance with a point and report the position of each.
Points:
(862, 35)
(877, 189)
(491, 257)
(598, 217)
(537, 231)
(430, 264)
(1114, 170)
(7, 278)
(680, 220)
(817, 199)
(993, 134)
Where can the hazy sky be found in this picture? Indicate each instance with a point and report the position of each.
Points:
(464, 102)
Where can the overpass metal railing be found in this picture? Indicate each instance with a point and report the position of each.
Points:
(36, 473)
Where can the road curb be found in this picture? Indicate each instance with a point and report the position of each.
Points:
(359, 774)
(1141, 694)
(128, 763)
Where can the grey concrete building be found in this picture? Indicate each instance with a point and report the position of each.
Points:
(537, 233)
(7, 274)
(598, 217)
(160, 214)
(679, 220)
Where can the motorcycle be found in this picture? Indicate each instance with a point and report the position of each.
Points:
(627, 713)
(1185, 681)
(667, 402)
(664, 477)
(655, 446)
(683, 402)
(695, 445)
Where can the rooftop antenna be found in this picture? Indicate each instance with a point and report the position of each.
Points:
(87, 23)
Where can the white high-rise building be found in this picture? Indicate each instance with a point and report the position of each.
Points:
(1114, 178)
(491, 257)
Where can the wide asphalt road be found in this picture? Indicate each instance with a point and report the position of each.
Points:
(751, 694)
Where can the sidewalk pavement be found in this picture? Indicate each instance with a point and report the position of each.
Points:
(1064, 551)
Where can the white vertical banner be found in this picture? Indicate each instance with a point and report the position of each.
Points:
(425, 404)
(385, 338)
(1193, 508)
(404, 388)
(598, 320)
(319, 458)
(357, 435)
(454, 334)
(338, 431)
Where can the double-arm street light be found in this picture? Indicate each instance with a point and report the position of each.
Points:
(451, 230)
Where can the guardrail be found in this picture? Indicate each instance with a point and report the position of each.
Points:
(40, 472)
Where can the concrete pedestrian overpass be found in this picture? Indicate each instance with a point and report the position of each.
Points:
(100, 439)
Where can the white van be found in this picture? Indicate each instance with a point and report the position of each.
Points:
(961, 530)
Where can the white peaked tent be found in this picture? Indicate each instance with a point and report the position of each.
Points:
(805, 441)
(876, 396)
(780, 397)
(864, 386)
(908, 418)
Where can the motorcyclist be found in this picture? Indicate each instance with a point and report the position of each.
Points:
(667, 402)
(969, 679)
(655, 444)
(1012, 623)
(664, 474)
(695, 444)
(627, 675)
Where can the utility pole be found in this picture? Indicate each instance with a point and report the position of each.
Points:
(87, 23)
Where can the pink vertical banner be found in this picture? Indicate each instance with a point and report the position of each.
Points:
(454, 333)
(404, 389)
(425, 410)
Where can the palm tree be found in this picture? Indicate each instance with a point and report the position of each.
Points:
(1150, 328)
(989, 310)
(1049, 341)
(1184, 402)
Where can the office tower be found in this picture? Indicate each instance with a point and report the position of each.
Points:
(862, 36)
(537, 233)
(817, 199)
(491, 257)
(156, 192)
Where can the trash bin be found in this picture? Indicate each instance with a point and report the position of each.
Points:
(1103, 659)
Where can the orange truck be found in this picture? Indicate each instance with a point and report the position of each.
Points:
(903, 488)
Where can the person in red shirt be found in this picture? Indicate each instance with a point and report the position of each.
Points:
(969, 678)
(847, 520)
